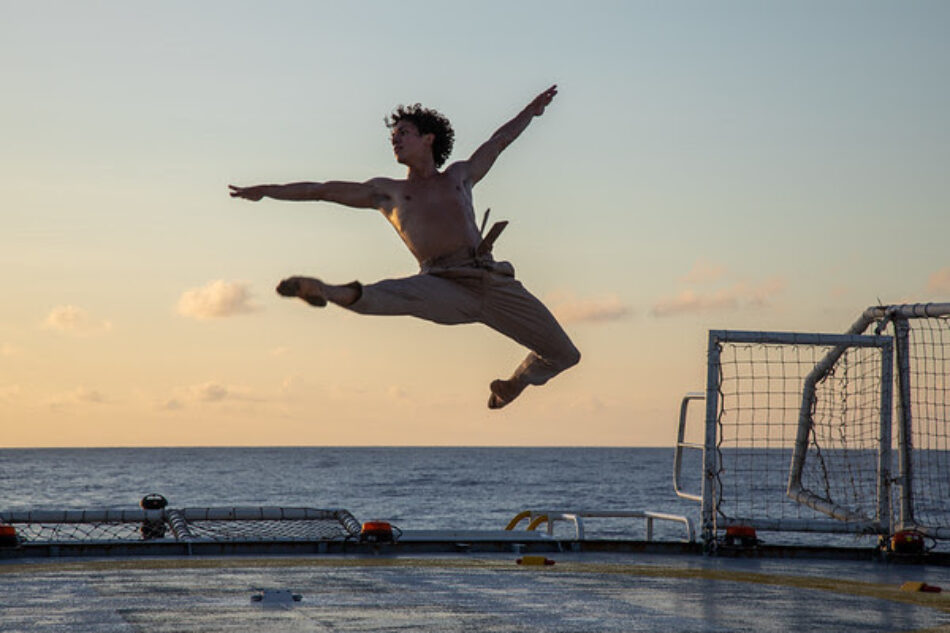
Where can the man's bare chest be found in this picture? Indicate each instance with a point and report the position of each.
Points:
(431, 203)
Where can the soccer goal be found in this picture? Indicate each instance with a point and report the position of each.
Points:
(922, 417)
(843, 433)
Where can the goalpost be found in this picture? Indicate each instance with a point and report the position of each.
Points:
(773, 454)
(846, 433)
(922, 419)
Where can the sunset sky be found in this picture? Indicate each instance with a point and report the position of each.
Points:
(743, 165)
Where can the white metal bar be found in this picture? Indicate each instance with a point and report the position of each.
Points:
(711, 455)
(803, 525)
(905, 425)
(793, 338)
(82, 516)
(681, 444)
(905, 311)
(577, 518)
(662, 516)
(884, 515)
(262, 513)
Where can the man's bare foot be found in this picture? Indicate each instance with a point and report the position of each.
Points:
(307, 288)
(504, 391)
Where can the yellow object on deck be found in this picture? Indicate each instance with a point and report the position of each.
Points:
(518, 518)
(912, 585)
(533, 522)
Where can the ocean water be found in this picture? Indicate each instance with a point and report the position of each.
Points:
(415, 488)
(412, 487)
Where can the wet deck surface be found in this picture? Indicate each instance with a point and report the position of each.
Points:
(581, 592)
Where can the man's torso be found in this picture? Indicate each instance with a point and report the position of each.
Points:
(434, 216)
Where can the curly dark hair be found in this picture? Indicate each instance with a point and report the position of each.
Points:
(427, 122)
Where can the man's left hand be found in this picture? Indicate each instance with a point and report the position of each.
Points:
(542, 101)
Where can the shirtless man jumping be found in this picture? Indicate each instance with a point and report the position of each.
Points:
(459, 281)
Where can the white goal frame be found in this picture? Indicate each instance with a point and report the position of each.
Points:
(913, 439)
(900, 319)
(840, 520)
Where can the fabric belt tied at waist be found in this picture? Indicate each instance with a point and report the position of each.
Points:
(484, 247)
(479, 257)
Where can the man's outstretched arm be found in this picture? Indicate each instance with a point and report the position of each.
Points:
(363, 195)
(486, 155)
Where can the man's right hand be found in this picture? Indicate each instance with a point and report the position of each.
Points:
(253, 194)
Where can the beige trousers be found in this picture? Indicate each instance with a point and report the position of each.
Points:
(465, 288)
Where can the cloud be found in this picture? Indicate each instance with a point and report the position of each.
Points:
(720, 297)
(216, 299)
(734, 297)
(704, 272)
(211, 392)
(690, 301)
(82, 394)
(760, 295)
(79, 395)
(939, 281)
(74, 320)
(6, 350)
(172, 405)
(569, 309)
(397, 394)
(9, 393)
(293, 383)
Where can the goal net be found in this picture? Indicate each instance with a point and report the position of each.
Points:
(922, 415)
(830, 433)
(802, 432)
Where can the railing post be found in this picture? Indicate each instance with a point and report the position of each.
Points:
(681, 443)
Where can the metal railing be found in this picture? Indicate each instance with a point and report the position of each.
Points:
(183, 525)
(550, 517)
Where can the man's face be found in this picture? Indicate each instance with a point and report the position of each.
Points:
(408, 144)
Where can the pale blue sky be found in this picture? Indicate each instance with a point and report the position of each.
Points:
(735, 164)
